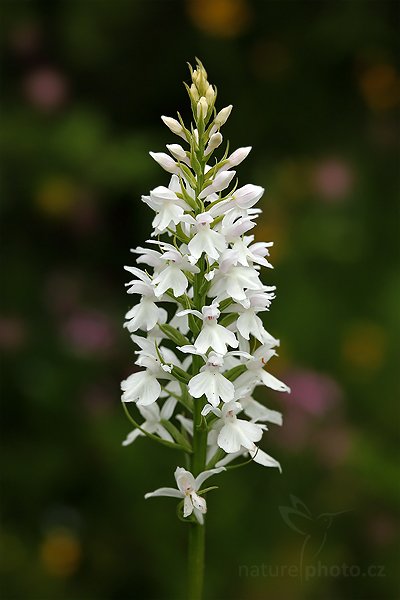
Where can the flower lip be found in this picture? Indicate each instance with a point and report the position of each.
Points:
(204, 219)
(211, 312)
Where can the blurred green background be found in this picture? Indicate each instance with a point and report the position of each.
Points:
(315, 89)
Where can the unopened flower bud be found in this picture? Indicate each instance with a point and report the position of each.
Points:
(178, 152)
(221, 181)
(223, 115)
(202, 108)
(165, 161)
(194, 93)
(236, 158)
(248, 195)
(174, 126)
(210, 95)
(215, 141)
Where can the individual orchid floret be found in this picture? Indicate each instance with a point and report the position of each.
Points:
(188, 490)
(169, 208)
(258, 456)
(233, 282)
(145, 315)
(234, 433)
(173, 275)
(211, 383)
(206, 239)
(256, 373)
(143, 387)
(258, 412)
(149, 257)
(152, 423)
(212, 335)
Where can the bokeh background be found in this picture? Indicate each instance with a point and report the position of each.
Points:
(315, 90)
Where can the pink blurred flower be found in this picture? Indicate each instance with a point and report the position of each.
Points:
(314, 392)
(12, 333)
(62, 292)
(46, 88)
(25, 38)
(333, 443)
(382, 529)
(332, 179)
(313, 396)
(99, 398)
(89, 332)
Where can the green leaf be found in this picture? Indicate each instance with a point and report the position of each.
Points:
(234, 373)
(151, 435)
(180, 374)
(177, 435)
(225, 303)
(212, 487)
(174, 334)
(228, 319)
(213, 461)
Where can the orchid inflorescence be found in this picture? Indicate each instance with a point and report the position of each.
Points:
(203, 348)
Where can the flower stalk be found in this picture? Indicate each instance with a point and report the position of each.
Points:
(203, 349)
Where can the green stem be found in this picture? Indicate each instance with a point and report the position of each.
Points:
(196, 552)
(196, 561)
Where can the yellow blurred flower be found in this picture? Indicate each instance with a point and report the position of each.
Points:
(56, 196)
(364, 345)
(380, 86)
(222, 18)
(60, 553)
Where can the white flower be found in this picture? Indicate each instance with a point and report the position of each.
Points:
(152, 421)
(169, 208)
(234, 433)
(173, 276)
(256, 373)
(257, 455)
(188, 488)
(233, 282)
(145, 315)
(148, 256)
(143, 387)
(203, 260)
(206, 239)
(258, 412)
(211, 382)
(214, 336)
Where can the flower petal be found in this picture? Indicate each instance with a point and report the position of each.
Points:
(164, 491)
(200, 479)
